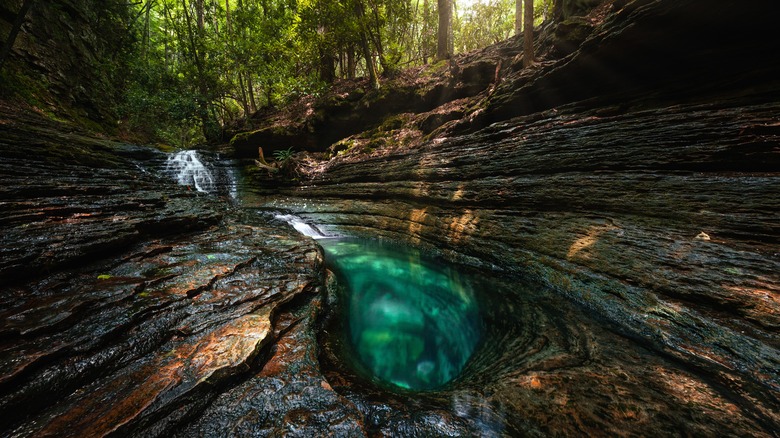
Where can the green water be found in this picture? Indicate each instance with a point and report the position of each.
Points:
(410, 322)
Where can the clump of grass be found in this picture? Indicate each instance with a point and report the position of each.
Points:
(283, 155)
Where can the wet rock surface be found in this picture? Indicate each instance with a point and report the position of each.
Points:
(131, 304)
(646, 230)
(664, 230)
(644, 193)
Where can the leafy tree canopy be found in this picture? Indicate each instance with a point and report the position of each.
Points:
(197, 65)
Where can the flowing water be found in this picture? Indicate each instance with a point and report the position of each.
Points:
(189, 170)
(424, 347)
(301, 226)
(411, 322)
(207, 173)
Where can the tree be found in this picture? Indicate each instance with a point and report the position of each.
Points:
(199, 64)
(518, 16)
(445, 26)
(557, 9)
(528, 33)
(364, 41)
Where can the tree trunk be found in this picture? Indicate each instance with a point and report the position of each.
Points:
(375, 33)
(200, 14)
(327, 59)
(366, 46)
(557, 10)
(17, 25)
(445, 23)
(269, 93)
(202, 87)
(250, 90)
(244, 99)
(373, 78)
(351, 62)
(518, 16)
(528, 33)
(227, 16)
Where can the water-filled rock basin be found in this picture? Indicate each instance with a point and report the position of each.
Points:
(409, 321)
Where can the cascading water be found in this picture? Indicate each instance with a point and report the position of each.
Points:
(206, 172)
(189, 170)
(301, 226)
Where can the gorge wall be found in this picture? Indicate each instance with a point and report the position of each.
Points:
(637, 176)
(67, 58)
(638, 197)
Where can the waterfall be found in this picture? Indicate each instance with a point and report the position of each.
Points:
(189, 170)
(301, 226)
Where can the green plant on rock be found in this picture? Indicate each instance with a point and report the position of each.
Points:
(283, 155)
(287, 163)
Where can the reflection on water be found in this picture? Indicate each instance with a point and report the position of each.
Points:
(411, 322)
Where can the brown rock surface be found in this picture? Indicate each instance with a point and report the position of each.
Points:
(638, 178)
(129, 303)
(635, 237)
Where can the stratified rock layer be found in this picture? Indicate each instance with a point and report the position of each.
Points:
(662, 223)
(129, 304)
(636, 236)
(638, 178)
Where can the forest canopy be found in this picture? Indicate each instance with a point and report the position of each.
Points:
(196, 65)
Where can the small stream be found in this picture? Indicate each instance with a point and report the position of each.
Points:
(423, 345)
(412, 321)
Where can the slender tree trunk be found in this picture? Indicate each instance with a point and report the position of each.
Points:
(528, 33)
(15, 27)
(251, 92)
(373, 78)
(557, 10)
(375, 32)
(244, 99)
(200, 14)
(518, 16)
(445, 23)
(451, 33)
(424, 33)
(202, 103)
(227, 17)
(351, 62)
(269, 93)
(147, 31)
(193, 46)
(365, 45)
(327, 60)
(341, 66)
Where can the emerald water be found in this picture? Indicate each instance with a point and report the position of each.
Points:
(410, 322)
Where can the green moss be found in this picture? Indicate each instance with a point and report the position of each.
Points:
(17, 85)
(165, 148)
(342, 146)
(393, 122)
(435, 68)
(242, 137)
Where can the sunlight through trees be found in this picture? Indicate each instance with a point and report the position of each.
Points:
(199, 64)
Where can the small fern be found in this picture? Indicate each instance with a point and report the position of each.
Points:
(284, 154)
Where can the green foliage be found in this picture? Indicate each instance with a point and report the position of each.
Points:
(284, 154)
(484, 23)
(185, 80)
